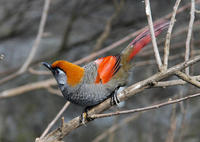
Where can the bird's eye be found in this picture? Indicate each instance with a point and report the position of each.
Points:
(58, 71)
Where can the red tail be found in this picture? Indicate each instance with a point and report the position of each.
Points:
(144, 38)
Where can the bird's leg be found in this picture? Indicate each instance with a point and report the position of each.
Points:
(114, 98)
(84, 116)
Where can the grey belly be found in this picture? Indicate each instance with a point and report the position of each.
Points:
(88, 95)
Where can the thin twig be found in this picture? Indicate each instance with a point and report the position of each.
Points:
(168, 36)
(188, 79)
(38, 38)
(35, 45)
(94, 116)
(173, 82)
(9, 77)
(189, 35)
(55, 119)
(155, 47)
(27, 87)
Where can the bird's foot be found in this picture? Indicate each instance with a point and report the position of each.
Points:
(84, 116)
(115, 99)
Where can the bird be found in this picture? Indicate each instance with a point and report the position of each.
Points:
(100, 79)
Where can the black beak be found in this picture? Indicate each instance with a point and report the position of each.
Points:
(47, 66)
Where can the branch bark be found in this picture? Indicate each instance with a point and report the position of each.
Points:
(188, 79)
(189, 35)
(153, 38)
(55, 119)
(27, 87)
(168, 36)
(169, 102)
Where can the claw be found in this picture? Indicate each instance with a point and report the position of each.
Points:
(84, 116)
(114, 98)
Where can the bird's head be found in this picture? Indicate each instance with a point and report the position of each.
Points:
(66, 72)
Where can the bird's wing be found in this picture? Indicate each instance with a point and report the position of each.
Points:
(107, 67)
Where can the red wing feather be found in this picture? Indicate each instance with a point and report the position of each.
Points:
(107, 67)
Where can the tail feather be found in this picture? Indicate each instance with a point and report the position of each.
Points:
(141, 40)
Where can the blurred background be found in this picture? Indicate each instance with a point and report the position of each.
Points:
(73, 30)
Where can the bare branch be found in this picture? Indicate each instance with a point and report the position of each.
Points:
(35, 45)
(38, 38)
(189, 35)
(155, 47)
(145, 108)
(27, 87)
(174, 82)
(55, 119)
(9, 77)
(188, 79)
(168, 36)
